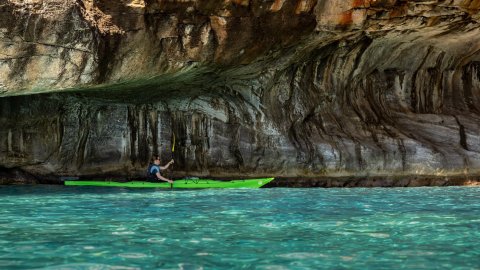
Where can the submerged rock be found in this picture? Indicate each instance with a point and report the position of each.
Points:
(298, 89)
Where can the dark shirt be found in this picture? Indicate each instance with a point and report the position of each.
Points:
(152, 171)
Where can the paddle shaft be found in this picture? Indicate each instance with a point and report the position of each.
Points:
(173, 156)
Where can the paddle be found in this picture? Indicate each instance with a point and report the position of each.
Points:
(173, 156)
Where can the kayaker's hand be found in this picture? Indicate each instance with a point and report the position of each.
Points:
(170, 181)
(171, 161)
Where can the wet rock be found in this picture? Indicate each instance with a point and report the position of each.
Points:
(298, 89)
(14, 176)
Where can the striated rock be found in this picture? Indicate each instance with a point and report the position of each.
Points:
(364, 92)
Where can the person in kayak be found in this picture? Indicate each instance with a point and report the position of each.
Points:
(154, 169)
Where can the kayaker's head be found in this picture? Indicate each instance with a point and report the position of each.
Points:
(156, 159)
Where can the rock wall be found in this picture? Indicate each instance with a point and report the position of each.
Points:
(297, 89)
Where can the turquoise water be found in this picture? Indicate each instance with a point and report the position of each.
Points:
(56, 227)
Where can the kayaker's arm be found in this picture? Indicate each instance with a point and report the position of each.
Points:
(160, 177)
(166, 166)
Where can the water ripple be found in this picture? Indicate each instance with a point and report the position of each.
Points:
(52, 227)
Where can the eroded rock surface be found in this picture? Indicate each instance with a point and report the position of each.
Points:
(314, 89)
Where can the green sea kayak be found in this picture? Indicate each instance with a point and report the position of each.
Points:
(184, 183)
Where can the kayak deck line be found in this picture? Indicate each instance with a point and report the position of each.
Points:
(181, 183)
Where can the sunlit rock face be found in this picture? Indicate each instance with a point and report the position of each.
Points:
(302, 89)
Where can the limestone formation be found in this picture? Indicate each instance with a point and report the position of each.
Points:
(364, 92)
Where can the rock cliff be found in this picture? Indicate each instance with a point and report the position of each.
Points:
(367, 92)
